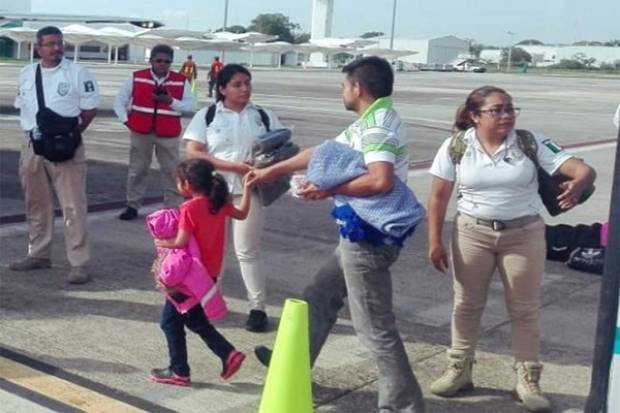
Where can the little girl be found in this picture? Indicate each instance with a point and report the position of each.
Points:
(202, 216)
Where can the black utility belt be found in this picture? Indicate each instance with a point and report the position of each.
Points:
(499, 225)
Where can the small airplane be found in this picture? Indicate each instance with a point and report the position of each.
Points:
(8, 17)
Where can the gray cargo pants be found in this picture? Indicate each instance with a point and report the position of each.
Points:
(362, 272)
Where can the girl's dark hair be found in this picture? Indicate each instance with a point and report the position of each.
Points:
(226, 75)
(201, 176)
(473, 103)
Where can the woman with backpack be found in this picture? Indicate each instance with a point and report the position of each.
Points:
(223, 134)
(497, 226)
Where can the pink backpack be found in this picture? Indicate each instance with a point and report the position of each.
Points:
(605, 233)
(187, 280)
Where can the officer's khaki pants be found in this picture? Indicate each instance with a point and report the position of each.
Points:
(140, 157)
(68, 180)
(519, 256)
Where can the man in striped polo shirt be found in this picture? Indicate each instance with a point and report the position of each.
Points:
(360, 269)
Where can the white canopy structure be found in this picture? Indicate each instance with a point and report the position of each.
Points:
(116, 37)
(186, 39)
(176, 33)
(20, 35)
(77, 34)
(342, 42)
(251, 38)
(248, 37)
(274, 47)
(387, 53)
(149, 40)
(335, 45)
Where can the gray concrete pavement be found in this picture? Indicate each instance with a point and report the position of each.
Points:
(105, 334)
(107, 331)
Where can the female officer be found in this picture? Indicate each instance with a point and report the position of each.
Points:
(226, 141)
(497, 226)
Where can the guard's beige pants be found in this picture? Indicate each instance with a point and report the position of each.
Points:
(519, 256)
(68, 180)
(140, 157)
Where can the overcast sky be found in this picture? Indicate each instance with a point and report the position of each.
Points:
(486, 21)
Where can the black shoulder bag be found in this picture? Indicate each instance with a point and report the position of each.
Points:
(57, 137)
(548, 185)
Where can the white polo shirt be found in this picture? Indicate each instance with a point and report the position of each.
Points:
(380, 135)
(502, 186)
(69, 88)
(230, 135)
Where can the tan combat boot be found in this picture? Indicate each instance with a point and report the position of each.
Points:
(30, 263)
(528, 389)
(457, 376)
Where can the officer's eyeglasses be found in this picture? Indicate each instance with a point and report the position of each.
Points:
(52, 44)
(499, 111)
(166, 61)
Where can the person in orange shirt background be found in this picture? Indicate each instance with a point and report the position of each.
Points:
(189, 69)
(214, 71)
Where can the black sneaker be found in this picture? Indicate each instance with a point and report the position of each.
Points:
(167, 376)
(128, 214)
(263, 354)
(257, 321)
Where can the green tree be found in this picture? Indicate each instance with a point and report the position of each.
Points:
(369, 35)
(275, 24)
(531, 42)
(233, 29)
(301, 38)
(476, 48)
(585, 60)
(587, 43)
(517, 56)
(568, 64)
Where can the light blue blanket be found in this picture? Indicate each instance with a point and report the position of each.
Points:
(394, 213)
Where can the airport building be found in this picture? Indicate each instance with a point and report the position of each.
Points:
(543, 55)
(434, 50)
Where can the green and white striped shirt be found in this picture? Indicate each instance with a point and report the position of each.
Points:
(380, 135)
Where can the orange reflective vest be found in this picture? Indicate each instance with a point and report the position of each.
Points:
(189, 69)
(149, 116)
(216, 68)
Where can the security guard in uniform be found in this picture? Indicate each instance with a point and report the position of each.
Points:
(70, 91)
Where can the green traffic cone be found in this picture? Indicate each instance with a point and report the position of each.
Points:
(288, 386)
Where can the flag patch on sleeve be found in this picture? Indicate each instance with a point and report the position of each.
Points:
(552, 146)
(89, 86)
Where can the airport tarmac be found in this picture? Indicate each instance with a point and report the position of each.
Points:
(89, 348)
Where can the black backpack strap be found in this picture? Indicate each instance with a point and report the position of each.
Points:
(39, 84)
(210, 114)
(264, 117)
(527, 143)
